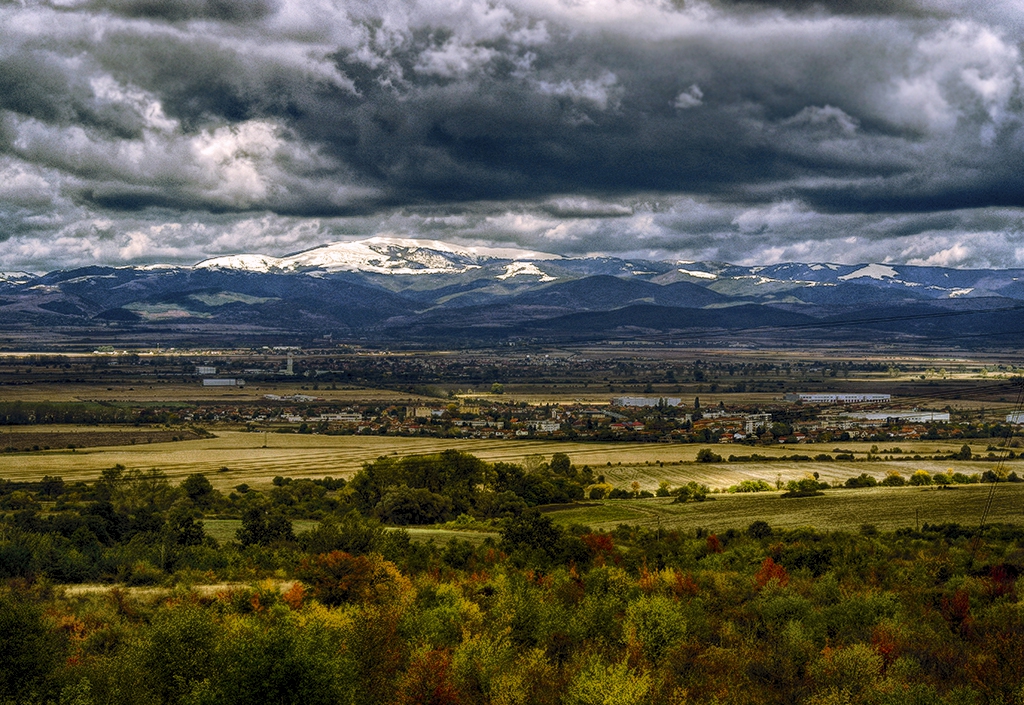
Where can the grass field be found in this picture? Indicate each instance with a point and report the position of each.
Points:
(224, 530)
(837, 510)
(300, 455)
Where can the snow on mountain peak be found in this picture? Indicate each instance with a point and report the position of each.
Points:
(698, 274)
(16, 277)
(519, 269)
(380, 255)
(248, 263)
(874, 271)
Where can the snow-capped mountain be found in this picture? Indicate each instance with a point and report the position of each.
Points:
(393, 289)
(379, 255)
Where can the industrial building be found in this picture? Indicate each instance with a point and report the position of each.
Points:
(831, 398)
(902, 416)
(646, 401)
(223, 382)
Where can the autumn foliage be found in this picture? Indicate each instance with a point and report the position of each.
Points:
(771, 571)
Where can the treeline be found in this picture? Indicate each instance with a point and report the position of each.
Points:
(16, 413)
(136, 527)
(428, 489)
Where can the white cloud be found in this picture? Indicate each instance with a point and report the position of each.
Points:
(690, 98)
(825, 116)
(777, 217)
(953, 256)
(453, 60)
(601, 92)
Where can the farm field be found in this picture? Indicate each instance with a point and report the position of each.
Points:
(192, 392)
(256, 458)
(886, 508)
(68, 436)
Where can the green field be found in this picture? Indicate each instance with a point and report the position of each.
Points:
(224, 530)
(887, 508)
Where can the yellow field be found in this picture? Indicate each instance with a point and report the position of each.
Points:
(194, 393)
(255, 458)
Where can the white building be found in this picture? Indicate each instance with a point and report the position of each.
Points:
(204, 370)
(831, 398)
(905, 416)
(223, 382)
(756, 421)
(646, 401)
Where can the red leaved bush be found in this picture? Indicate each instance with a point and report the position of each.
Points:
(769, 571)
(427, 681)
(957, 611)
(337, 577)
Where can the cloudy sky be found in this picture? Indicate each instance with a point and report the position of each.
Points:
(751, 131)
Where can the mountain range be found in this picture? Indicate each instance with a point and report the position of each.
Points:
(417, 292)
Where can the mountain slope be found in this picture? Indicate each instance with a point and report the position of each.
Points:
(431, 292)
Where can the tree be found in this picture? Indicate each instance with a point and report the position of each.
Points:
(30, 649)
(414, 505)
(51, 486)
(893, 479)
(531, 532)
(920, 478)
(706, 455)
(560, 464)
(263, 527)
(807, 487)
(182, 527)
(497, 388)
(862, 480)
(198, 489)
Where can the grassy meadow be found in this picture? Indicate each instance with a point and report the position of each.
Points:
(886, 508)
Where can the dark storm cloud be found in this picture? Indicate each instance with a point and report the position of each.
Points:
(226, 10)
(885, 8)
(630, 126)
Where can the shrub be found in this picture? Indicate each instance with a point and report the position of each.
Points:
(337, 577)
(862, 480)
(751, 486)
(920, 478)
(893, 479)
(759, 530)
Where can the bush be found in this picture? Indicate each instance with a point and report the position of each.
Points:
(862, 480)
(759, 530)
(920, 478)
(31, 651)
(808, 487)
(893, 479)
(263, 527)
(751, 486)
(706, 455)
